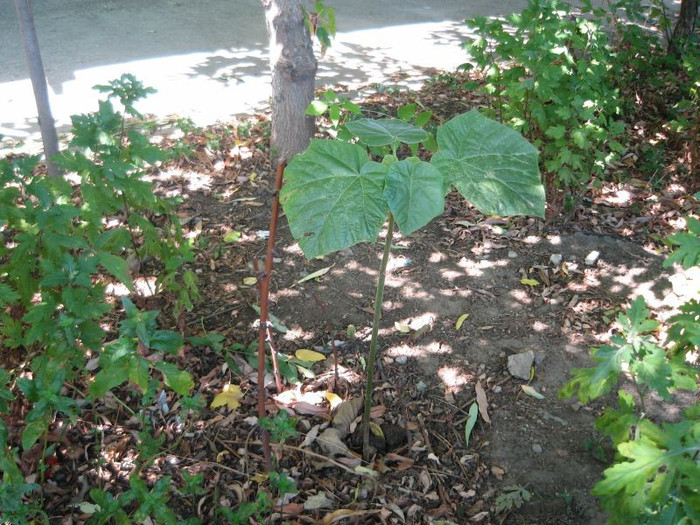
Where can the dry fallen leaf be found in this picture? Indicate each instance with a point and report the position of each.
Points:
(482, 402)
(333, 398)
(230, 397)
(529, 282)
(314, 275)
(331, 444)
(531, 392)
(460, 321)
(344, 415)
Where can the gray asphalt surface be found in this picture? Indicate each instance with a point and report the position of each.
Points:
(208, 58)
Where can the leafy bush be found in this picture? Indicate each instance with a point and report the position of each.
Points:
(656, 471)
(58, 243)
(548, 74)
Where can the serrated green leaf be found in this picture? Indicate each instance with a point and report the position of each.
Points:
(7, 295)
(109, 377)
(556, 132)
(385, 132)
(166, 341)
(492, 166)
(180, 381)
(333, 197)
(32, 432)
(687, 252)
(415, 193)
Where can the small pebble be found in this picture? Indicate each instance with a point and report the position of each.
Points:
(555, 259)
(401, 360)
(421, 386)
(537, 448)
(592, 258)
(512, 255)
(497, 389)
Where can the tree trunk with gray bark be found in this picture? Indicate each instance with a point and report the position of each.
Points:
(293, 66)
(38, 78)
(685, 26)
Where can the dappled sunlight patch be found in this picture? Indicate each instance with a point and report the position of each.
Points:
(437, 257)
(415, 291)
(144, 286)
(454, 378)
(520, 295)
(539, 326)
(298, 334)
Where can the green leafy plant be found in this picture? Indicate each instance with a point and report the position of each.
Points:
(548, 74)
(63, 242)
(336, 195)
(513, 497)
(338, 109)
(321, 24)
(654, 477)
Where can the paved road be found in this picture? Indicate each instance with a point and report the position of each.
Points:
(208, 58)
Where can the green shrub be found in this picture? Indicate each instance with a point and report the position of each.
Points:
(655, 475)
(548, 74)
(58, 243)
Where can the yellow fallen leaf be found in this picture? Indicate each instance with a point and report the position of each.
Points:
(461, 320)
(222, 456)
(260, 477)
(230, 397)
(333, 399)
(250, 281)
(309, 355)
(376, 430)
(529, 282)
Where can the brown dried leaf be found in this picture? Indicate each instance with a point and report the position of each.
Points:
(482, 402)
(347, 411)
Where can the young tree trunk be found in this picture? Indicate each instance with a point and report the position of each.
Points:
(38, 78)
(293, 68)
(685, 26)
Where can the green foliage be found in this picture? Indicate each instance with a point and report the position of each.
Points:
(281, 427)
(687, 251)
(321, 24)
(335, 195)
(549, 76)
(513, 497)
(148, 503)
(338, 109)
(655, 475)
(61, 244)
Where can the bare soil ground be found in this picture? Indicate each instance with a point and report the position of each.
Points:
(462, 263)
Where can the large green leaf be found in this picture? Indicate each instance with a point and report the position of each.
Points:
(385, 132)
(333, 197)
(415, 193)
(491, 165)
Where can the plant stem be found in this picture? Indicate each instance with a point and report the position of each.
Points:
(264, 303)
(373, 342)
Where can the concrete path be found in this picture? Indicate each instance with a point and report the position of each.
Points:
(208, 58)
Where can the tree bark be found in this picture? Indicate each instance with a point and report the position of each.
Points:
(38, 78)
(685, 26)
(293, 66)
